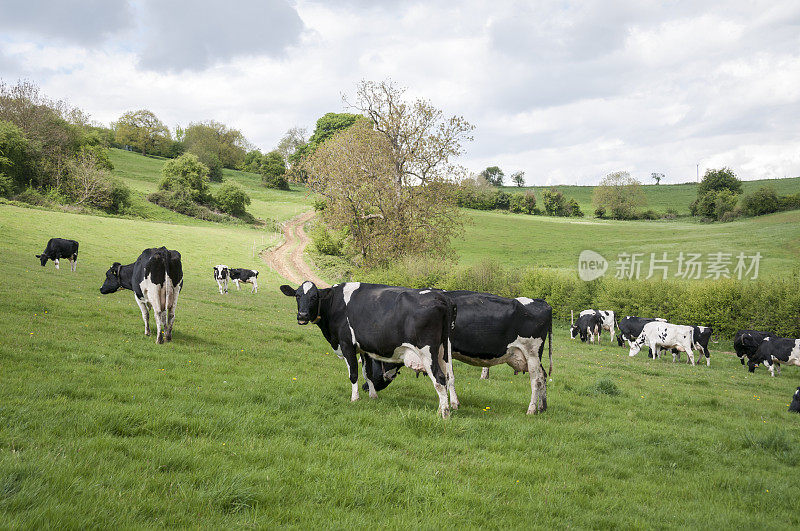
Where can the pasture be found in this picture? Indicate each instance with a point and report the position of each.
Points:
(245, 420)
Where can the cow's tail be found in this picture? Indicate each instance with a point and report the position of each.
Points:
(550, 346)
(447, 329)
(165, 294)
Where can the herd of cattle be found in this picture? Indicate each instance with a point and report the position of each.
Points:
(389, 327)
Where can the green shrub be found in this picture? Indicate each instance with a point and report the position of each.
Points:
(181, 201)
(188, 175)
(32, 196)
(119, 196)
(573, 209)
(523, 203)
(273, 171)
(600, 212)
(6, 185)
(326, 241)
(320, 204)
(278, 182)
(762, 201)
(231, 198)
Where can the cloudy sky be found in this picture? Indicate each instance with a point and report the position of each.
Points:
(565, 91)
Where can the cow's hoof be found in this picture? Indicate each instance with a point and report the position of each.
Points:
(168, 337)
(445, 413)
(147, 333)
(454, 405)
(160, 339)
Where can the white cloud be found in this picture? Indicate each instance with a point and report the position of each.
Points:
(566, 92)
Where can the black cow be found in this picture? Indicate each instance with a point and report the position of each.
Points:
(221, 274)
(795, 405)
(774, 351)
(58, 248)
(746, 342)
(383, 323)
(248, 276)
(588, 326)
(492, 330)
(156, 279)
(631, 327)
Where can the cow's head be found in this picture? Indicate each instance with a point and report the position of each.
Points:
(636, 346)
(795, 405)
(220, 272)
(619, 339)
(112, 282)
(308, 298)
(573, 331)
(43, 258)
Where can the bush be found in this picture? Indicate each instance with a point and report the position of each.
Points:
(573, 208)
(670, 213)
(600, 212)
(32, 196)
(186, 174)
(278, 182)
(716, 180)
(119, 196)
(523, 203)
(648, 214)
(273, 171)
(181, 201)
(6, 185)
(232, 199)
(725, 203)
(320, 204)
(326, 241)
(762, 201)
(789, 202)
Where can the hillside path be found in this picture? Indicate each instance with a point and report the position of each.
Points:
(287, 258)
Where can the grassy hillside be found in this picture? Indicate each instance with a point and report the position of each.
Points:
(519, 240)
(663, 196)
(245, 420)
(143, 173)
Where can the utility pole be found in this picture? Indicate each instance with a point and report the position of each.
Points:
(698, 172)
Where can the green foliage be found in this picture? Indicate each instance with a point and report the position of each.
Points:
(327, 241)
(573, 209)
(600, 212)
(620, 195)
(273, 171)
(721, 179)
(523, 203)
(328, 125)
(555, 204)
(181, 201)
(493, 175)
(186, 174)
(232, 199)
(252, 161)
(17, 158)
(762, 201)
(142, 130)
(216, 144)
(518, 178)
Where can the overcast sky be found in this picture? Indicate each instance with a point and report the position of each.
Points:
(565, 91)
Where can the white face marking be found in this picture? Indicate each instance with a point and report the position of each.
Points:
(524, 300)
(307, 286)
(348, 290)
(423, 292)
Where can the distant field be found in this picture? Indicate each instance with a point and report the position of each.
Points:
(143, 173)
(663, 196)
(244, 420)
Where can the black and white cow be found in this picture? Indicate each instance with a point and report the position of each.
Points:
(746, 342)
(221, 275)
(248, 276)
(702, 336)
(631, 327)
(383, 323)
(774, 351)
(588, 325)
(795, 405)
(658, 335)
(492, 330)
(58, 248)
(608, 321)
(156, 279)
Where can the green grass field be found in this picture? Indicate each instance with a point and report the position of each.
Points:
(663, 196)
(244, 420)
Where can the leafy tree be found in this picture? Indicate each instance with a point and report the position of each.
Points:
(188, 174)
(599, 212)
(90, 184)
(657, 177)
(573, 209)
(493, 175)
(293, 140)
(762, 201)
(232, 198)
(214, 139)
(17, 158)
(273, 171)
(327, 126)
(555, 204)
(518, 178)
(523, 203)
(620, 195)
(252, 161)
(721, 179)
(141, 129)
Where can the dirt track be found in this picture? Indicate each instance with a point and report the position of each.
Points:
(287, 258)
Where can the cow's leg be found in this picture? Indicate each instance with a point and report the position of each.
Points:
(451, 383)
(438, 377)
(708, 356)
(145, 314)
(255, 286)
(366, 369)
(171, 305)
(56, 263)
(538, 380)
(349, 355)
(236, 281)
(154, 297)
(75, 262)
(691, 355)
(485, 373)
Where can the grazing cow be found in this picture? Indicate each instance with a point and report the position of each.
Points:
(608, 321)
(795, 405)
(588, 325)
(248, 276)
(221, 274)
(58, 248)
(658, 335)
(774, 351)
(746, 342)
(631, 327)
(383, 323)
(702, 335)
(156, 279)
(492, 330)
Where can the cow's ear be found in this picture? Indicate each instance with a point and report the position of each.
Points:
(38, 256)
(288, 291)
(115, 266)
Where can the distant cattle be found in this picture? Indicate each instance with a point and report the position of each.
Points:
(58, 248)
(607, 319)
(491, 330)
(702, 336)
(221, 275)
(658, 335)
(587, 326)
(746, 342)
(383, 323)
(795, 405)
(631, 327)
(248, 276)
(775, 351)
(156, 279)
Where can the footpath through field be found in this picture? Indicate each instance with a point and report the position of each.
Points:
(287, 258)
